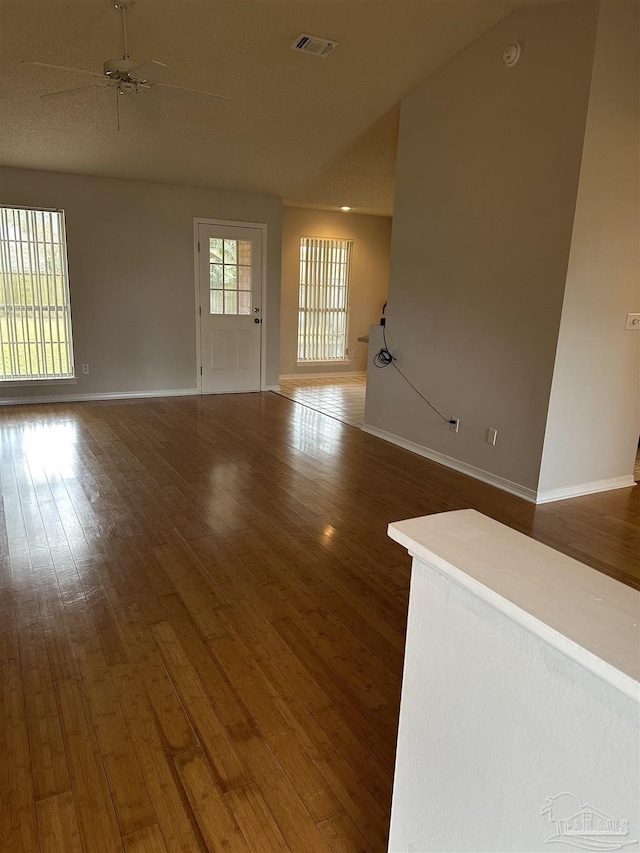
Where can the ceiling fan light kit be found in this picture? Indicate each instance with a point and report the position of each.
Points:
(125, 75)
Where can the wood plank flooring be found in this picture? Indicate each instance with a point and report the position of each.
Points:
(202, 621)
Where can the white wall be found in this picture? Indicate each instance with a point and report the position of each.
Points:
(131, 271)
(368, 287)
(487, 176)
(593, 424)
(520, 683)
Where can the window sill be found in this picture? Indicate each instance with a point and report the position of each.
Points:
(29, 383)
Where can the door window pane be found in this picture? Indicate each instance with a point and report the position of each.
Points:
(244, 252)
(215, 250)
(244, 278)
(230, 276)
(244, 302)
(216, 276)
(230, 302)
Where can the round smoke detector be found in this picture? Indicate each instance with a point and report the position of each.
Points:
(511, 54)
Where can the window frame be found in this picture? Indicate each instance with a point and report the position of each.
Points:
(238, 264)
(349, 244)
(64, 303)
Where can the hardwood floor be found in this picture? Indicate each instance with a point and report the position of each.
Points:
(203, 620)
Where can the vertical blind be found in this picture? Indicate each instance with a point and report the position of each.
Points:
(325, 267)
(35, 315)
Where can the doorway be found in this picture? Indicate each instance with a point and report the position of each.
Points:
(229, 300)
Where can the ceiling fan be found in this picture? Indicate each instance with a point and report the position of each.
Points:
(126, 75)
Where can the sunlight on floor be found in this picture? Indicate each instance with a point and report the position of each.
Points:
(340, 397)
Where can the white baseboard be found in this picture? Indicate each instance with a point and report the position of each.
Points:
(88, 398)
(323, 375)
(115, 395)
(530, 495)
(456, 464)
(549, 495)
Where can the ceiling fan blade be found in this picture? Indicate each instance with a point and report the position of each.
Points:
(150, 72)
(73, 91)
(192, 91)
(64, 68)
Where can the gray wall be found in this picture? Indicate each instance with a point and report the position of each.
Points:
(131, 272)
(368, 286)
(592, 429)
(488, 169)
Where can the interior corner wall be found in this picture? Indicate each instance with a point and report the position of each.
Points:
(132, 281)
(368, 284)
(593, 424)
(486, 185)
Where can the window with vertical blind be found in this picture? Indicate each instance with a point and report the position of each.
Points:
(35, 313)
(325, 267)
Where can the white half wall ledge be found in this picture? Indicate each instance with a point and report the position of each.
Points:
(531, 495)
(519, 725)
(589, 616)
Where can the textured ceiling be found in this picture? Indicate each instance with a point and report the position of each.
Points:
(318, 132)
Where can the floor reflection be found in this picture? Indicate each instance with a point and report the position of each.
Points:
(340, 397)
(311, 433)
(50, 450)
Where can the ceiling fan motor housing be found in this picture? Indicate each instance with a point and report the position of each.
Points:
(118, 68)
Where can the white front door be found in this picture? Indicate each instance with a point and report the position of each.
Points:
(230, 291)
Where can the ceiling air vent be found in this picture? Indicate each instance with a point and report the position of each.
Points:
(314, 45)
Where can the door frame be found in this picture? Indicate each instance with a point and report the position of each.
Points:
(234, 223)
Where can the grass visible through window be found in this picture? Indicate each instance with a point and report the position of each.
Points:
(35, 315)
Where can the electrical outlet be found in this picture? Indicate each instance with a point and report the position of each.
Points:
(492, 436)
(633, 321)
(85, 369)
(455, 426)
(353, 353)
